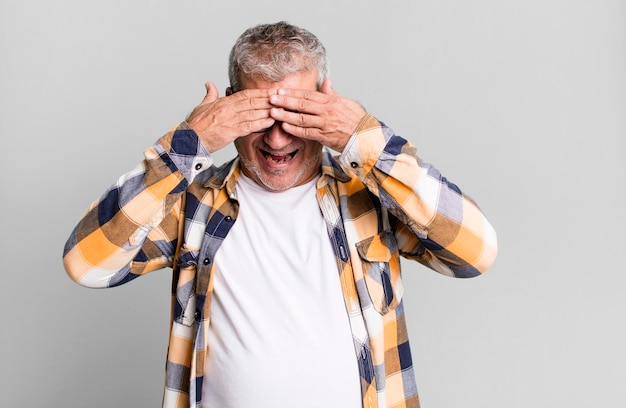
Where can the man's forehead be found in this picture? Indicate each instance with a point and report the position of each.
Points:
(300, 80)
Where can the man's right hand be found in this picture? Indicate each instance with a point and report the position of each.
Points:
(219, 121)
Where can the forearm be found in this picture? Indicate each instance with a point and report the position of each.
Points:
(451, 234)
(132, 229)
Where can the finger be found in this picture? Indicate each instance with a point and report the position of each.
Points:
(255, 126)
(299, 93)
(327, 87)
(249, 99)
(254, 114)
(247, 104)
(302, 102)
(211, 93)
(303, 132)
(335, 141)
(299, 119)
(250, 93)
(307, 94)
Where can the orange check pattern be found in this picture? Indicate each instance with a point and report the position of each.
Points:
(380, 202)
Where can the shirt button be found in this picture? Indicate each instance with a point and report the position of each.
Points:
(198, 166)
(206, 261)
(354, 165)
(228, 218)
(197, 314)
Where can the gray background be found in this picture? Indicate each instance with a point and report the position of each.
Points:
(521, 103)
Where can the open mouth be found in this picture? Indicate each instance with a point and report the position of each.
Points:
(278, 158)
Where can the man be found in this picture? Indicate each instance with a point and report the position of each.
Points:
(287, 288)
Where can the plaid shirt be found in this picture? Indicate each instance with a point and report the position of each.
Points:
(379, 200)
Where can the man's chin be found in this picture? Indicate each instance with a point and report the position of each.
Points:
(274, 181)
(276, 186)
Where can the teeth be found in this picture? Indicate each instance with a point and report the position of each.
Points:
(278, 159)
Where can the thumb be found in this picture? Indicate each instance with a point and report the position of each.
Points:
(327, 87)
(212, 93)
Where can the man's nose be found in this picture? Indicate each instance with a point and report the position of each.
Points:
(276, 137)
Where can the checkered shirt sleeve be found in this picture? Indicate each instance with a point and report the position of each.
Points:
(439, 225)
(133, 228)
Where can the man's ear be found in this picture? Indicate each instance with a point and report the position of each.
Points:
(229, 91)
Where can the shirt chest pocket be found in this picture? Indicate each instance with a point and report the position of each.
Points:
(381, 270)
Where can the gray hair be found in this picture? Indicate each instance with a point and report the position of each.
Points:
(273, 51)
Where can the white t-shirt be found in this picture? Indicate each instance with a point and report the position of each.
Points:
(279, 334)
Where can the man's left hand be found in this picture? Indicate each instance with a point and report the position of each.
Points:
(324, 116)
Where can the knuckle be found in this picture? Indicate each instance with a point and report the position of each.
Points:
(218, 109)
(247, 127)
